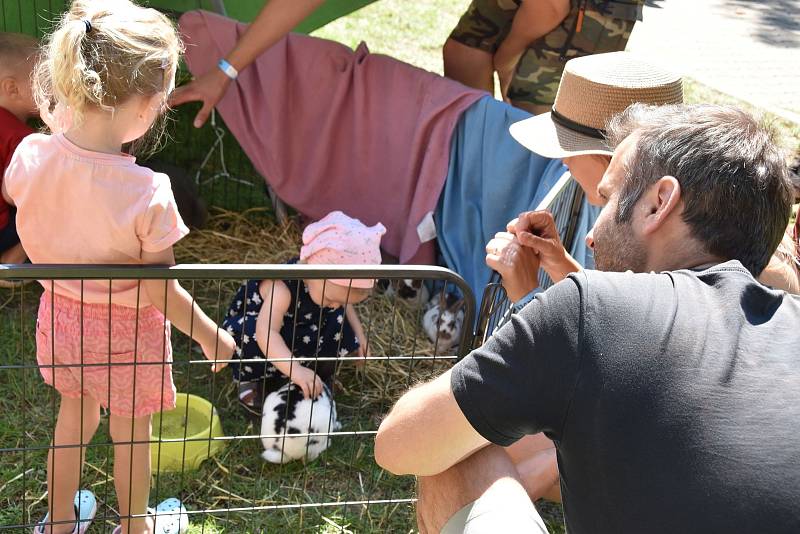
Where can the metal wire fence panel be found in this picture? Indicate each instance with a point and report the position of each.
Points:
(208, 451)
(564, 201)
(208, 162)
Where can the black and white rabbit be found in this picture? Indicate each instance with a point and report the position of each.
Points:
(286, 413)
(444, 321)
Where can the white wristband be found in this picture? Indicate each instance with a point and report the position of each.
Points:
(229, 70)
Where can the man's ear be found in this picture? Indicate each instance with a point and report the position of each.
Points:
(660, 201)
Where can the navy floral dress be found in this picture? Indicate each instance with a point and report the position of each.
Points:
(308, 330)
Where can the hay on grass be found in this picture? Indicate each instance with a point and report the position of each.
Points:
(251, 236)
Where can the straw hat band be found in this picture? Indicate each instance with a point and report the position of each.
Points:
(561, 120)
(591, 104)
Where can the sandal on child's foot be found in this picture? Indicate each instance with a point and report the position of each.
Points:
(85, 510)
(251, 397)
(169, 517)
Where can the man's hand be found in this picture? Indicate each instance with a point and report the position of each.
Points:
(537, 231)
(505, 73)
(208, 88)
(517, 264)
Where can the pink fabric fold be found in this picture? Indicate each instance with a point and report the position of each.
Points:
(335, 129)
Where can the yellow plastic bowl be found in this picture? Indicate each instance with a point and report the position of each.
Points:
(180, 437)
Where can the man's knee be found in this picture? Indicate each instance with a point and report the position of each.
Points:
(487, 478)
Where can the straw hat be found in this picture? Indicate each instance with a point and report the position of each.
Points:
(592, 90)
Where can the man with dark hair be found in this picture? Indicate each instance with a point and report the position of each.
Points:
(672, 393)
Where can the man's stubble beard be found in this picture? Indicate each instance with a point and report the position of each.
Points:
(616, 249)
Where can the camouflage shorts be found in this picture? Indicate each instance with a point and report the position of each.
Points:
(606, 27)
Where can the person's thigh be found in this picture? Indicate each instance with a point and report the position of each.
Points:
(471, 66)
(480, 494)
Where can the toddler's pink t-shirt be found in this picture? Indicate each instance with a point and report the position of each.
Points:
(78, 206)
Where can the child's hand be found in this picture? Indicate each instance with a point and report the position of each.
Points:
(220, 349)
(363, 352)
(307, 380)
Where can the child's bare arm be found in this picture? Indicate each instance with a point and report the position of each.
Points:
(277, 300)
(179, 307)
(352, 317)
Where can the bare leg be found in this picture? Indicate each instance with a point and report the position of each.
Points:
(470, 66)
(488, 474)
(77, 423)
(535, 459)
(132, 471)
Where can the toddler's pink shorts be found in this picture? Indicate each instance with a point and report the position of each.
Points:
(128, 370)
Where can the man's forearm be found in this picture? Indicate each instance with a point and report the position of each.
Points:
(561, 267)
(275, 20)
(425, 433)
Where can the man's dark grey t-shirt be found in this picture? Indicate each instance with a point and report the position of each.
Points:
(673, 399)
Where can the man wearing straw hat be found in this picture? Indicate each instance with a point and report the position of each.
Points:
(593, 89)
(672, 398)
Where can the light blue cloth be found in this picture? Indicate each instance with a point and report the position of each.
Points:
(491, 180)
(586, 219)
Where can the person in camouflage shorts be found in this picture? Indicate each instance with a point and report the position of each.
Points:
(531, 80)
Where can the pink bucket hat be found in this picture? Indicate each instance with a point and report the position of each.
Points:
(337, 239)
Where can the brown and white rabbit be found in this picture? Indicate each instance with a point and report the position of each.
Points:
(444, 321)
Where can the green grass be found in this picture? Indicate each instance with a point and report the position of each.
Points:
(411, 31)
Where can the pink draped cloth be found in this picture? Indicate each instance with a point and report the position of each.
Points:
(335, 129)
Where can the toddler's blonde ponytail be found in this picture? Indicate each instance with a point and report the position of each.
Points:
(104, 52)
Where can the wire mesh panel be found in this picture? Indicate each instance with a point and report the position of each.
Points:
(564, 201)
(209, 451)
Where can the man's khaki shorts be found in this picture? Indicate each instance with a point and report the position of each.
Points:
(489, 515)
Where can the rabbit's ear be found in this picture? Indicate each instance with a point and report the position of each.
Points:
(442, 301)
(459, 304)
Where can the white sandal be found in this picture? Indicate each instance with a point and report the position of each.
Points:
(169, 517)
(85, 510)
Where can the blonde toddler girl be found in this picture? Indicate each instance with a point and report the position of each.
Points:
(103, 80)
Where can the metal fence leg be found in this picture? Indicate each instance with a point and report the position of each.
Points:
(281, 212)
